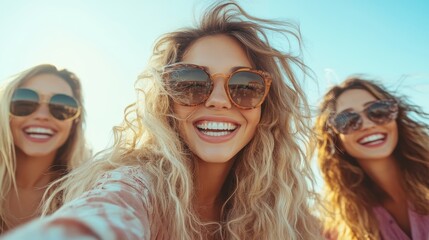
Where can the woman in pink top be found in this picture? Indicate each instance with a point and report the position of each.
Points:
(211, 149)
(374, 157)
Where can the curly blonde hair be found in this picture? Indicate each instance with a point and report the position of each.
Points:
(350, 193)
(68, 156)
(267, 192)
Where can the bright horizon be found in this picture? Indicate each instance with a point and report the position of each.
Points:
(107, 44)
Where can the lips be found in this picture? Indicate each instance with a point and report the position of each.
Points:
(373, 139)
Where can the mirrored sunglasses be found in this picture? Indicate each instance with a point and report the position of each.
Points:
(379, 112)
(26, 101)
(191, 85)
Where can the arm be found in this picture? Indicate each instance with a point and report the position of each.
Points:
(116, 208)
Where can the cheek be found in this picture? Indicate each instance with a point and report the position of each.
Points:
(253, 117)
(182, 113)
(66, 128)
(14, 127)
(393, 131)
(346, 142)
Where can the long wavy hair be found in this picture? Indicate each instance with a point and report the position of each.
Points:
(350, 193)
(267, 192)
(69, 155)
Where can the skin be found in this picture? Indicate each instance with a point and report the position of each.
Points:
(356, 100)
(376, 157)
(33, 156)
(215, 155)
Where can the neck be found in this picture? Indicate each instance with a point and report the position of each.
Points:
(387, 175)
(210, 178)
(33, 171)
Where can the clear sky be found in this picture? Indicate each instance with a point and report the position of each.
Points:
(107, 44)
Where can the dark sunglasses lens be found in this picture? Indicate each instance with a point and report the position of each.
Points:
(24, 102)
(189, 86)
(246, 89)
(382, 112)
(347, 122)
(63, 107)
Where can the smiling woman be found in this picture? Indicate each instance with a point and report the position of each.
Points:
(201, 127)
(42, 138)
(209, 150)
(374, 158)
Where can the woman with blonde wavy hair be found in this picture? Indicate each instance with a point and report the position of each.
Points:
(209, 150)
(41, 138)
(374, 156)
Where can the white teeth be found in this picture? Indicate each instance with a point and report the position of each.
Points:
(39, 136)
(216, 129)
(372, 138)
(39, 130)
(206, 125)
(215, 134)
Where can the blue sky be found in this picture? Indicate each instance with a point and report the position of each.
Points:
(108, 43)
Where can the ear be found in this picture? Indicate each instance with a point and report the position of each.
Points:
(75, 123)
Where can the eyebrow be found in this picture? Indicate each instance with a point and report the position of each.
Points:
(364, 105)
(233, 69)
(239, 67)
(368, 103)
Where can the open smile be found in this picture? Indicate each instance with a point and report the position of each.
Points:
(373, 140)
(39, 134)
(216, 131)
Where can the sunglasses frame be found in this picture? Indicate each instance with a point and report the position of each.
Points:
(46, 99)
(333, 115)
(266, 77)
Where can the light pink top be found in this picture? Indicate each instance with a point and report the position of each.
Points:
(390, 230)
(118, 207)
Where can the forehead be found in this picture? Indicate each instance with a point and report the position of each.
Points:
(48, 84)
(219, 53)
(354, 99)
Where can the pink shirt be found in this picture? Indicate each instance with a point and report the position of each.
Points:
(118, 207)
(390, 230)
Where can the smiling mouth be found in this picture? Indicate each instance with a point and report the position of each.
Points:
(39, 132)
(216, 129)
(373, 139)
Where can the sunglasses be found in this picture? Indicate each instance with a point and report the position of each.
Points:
(191, 85)
(379, 112)
(26, 101)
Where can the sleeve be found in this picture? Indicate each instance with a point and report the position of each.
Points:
(116, 208)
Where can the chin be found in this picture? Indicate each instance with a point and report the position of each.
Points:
(37, 153)
(215, 158)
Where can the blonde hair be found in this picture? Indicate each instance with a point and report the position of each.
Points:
(266, 195)
(69, 155)
(350, 193)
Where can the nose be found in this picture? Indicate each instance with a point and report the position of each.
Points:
(219, 98)
(42, 112)
(366, 122)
